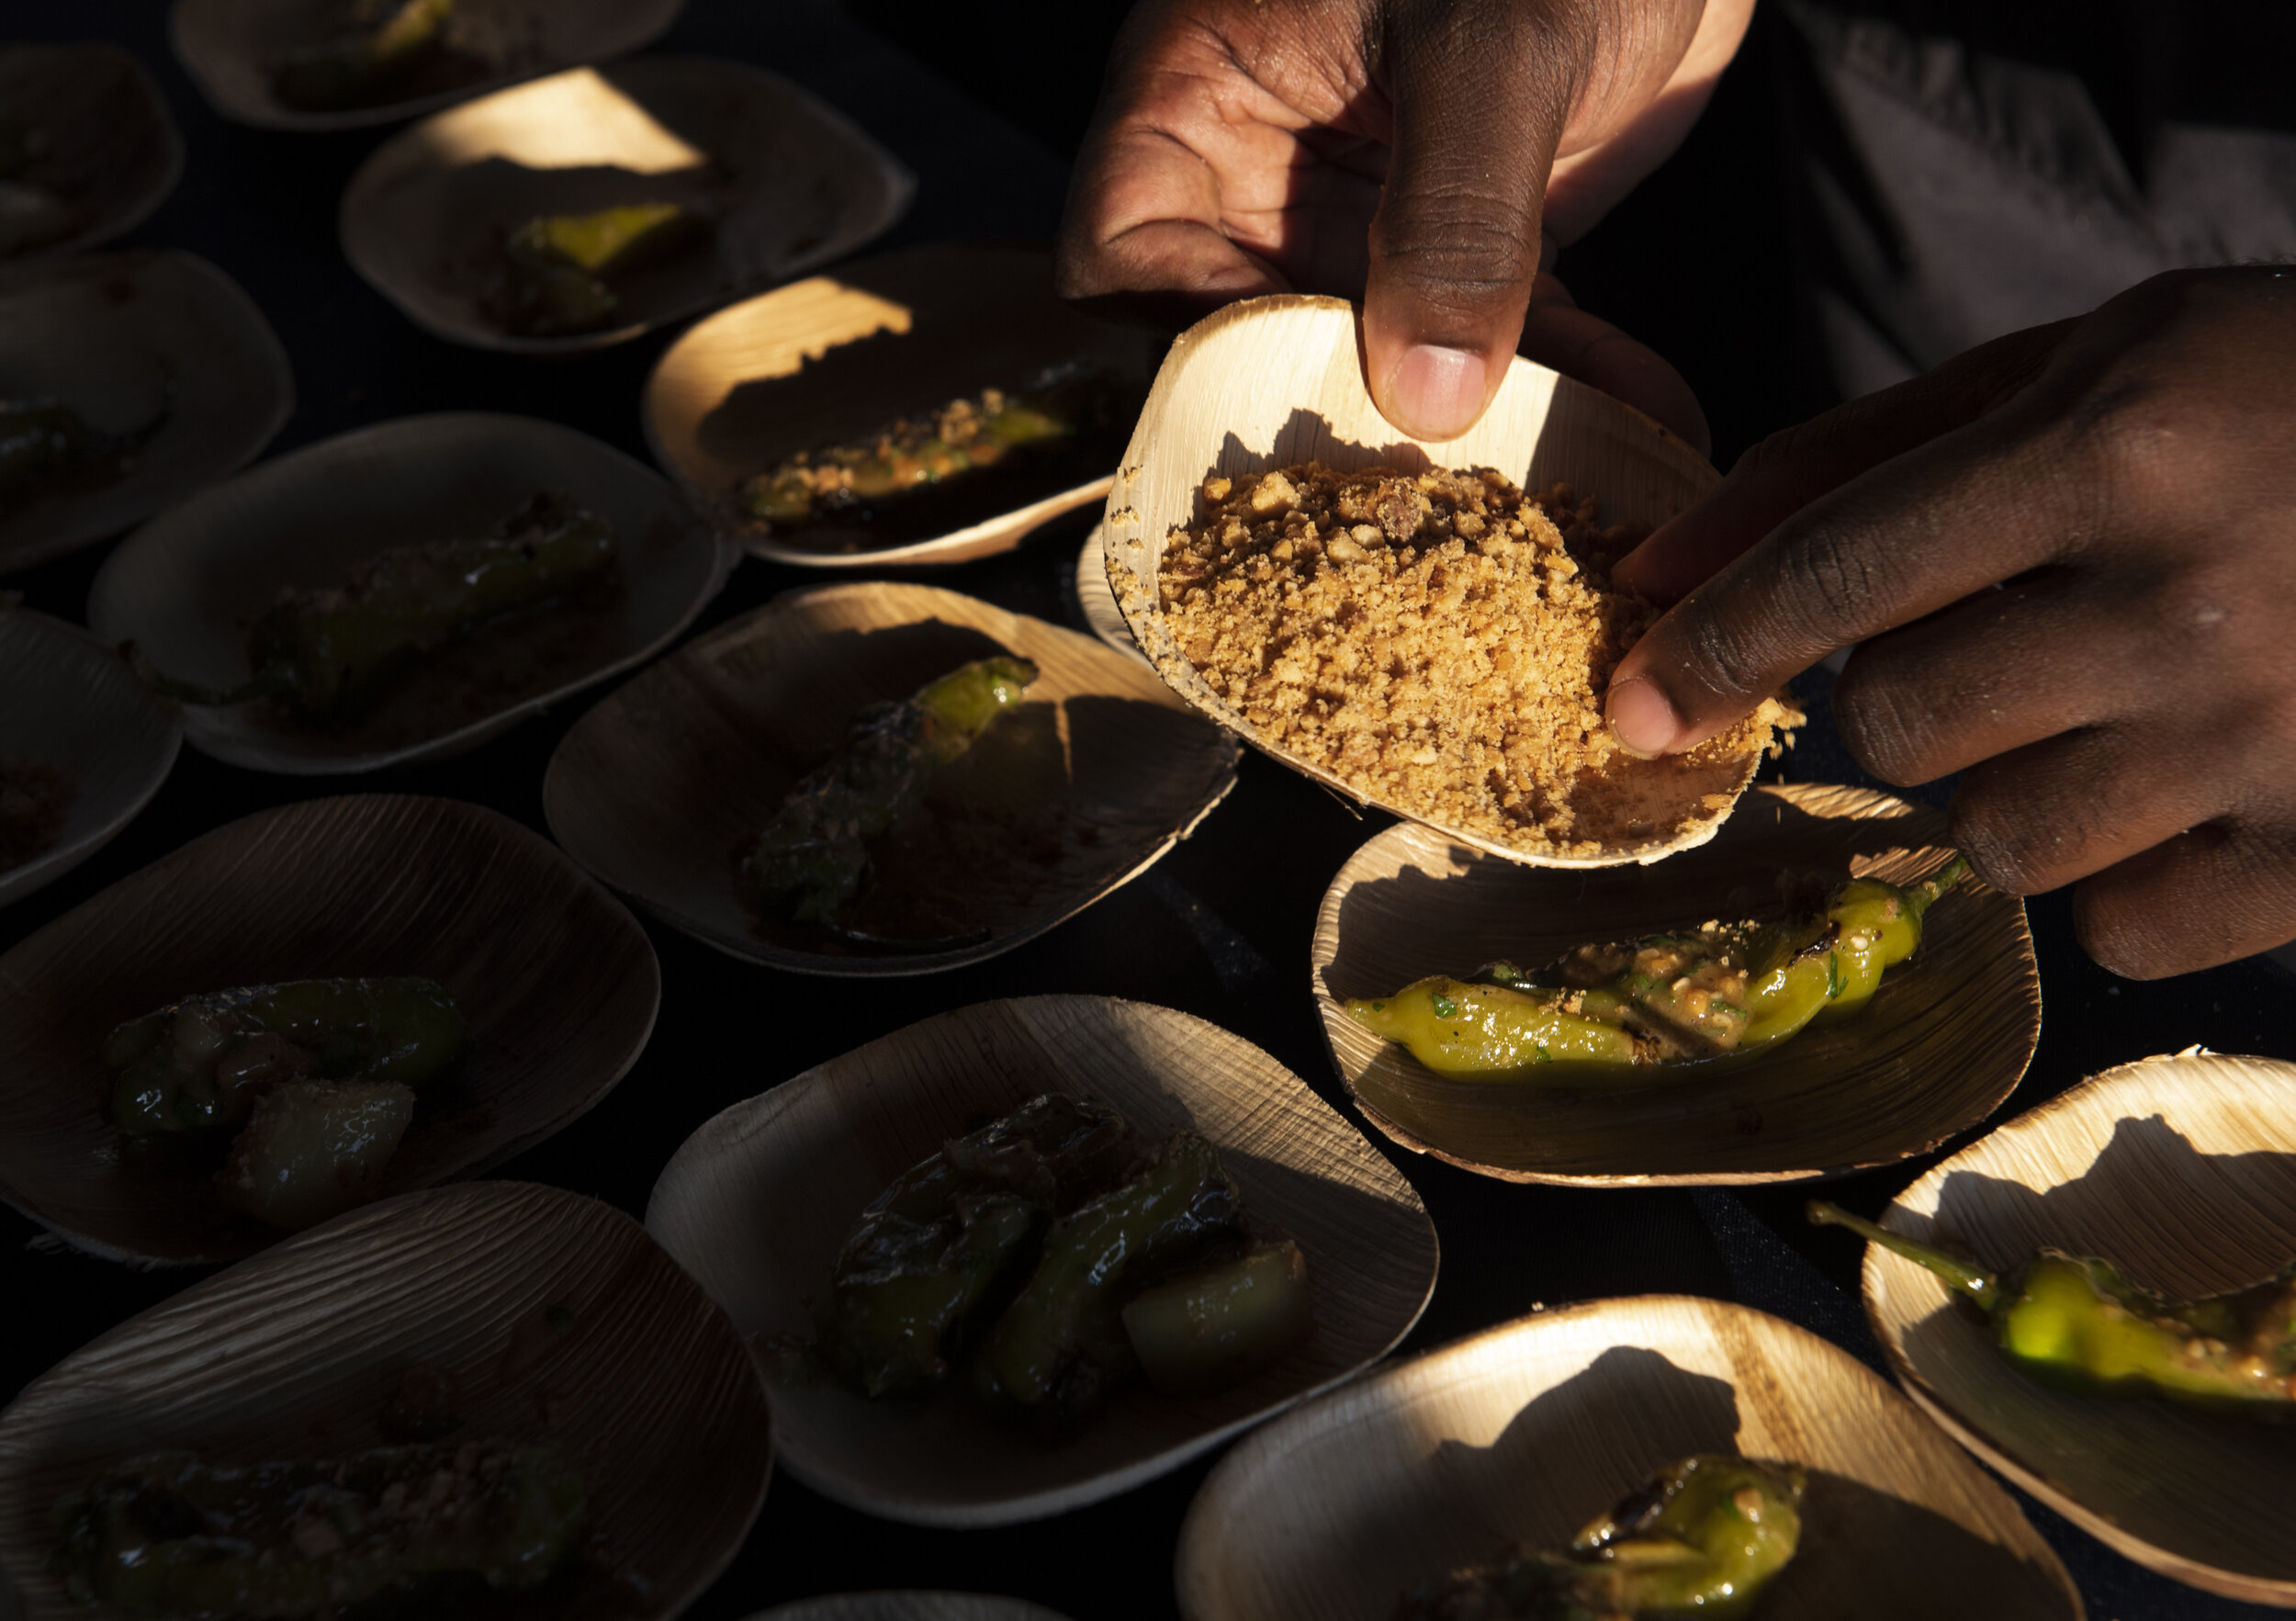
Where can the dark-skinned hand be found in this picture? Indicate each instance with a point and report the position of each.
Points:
(1408, 152)
(2067, 561)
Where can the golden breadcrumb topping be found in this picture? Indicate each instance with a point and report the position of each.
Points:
(1438, 642)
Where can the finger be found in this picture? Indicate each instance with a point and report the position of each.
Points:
(1984, 503)
(1792, 468)
(1993, 672)
(2044, 816)
(1480, 95)
(2216, 893)
(1558, 334)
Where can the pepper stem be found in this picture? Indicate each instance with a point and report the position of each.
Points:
(1971, 1279)
(1920, 899)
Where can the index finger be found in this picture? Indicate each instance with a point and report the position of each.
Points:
(1975, 506)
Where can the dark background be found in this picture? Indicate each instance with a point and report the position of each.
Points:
(1697, 263)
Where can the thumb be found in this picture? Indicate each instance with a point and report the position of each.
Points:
(1480, 95)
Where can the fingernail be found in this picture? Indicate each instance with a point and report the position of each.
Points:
(1641, 719)
(1437, 393)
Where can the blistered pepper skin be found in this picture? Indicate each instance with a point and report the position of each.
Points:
(1607, 1015)
(328, 653)
(170, 1534)
(346, 71)
(200, 1062)
(2076, 1323)
(813, 856)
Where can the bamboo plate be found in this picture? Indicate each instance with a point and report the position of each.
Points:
(1941, 1045)
(557, 979)
(231, 49)
(2183, 1170)
(297, 1353)
(838, 357)
(908, 1606)
(1276, 381)
(1526, 1431)
(663, 787)
(186, 587)
(1099, 603)
(109, 149)
(757, 1203)
(791, 184)
(76, 710)
(122, 338)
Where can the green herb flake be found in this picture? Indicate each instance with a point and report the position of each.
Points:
(1834, 982)
(1445, 1008)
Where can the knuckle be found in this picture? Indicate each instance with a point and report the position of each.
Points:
(1457, 246)
(2013, 842)
(1891, 731)
(1835, 582)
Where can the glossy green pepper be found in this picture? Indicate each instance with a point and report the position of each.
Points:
(813, 856)
(2076, 1323)
(328, 653)
(1060, 1347)
(201, 1063)
(930, 1249)
(1700, 1540)
(1600, 1013)
(849, 483)
(170, 1534)
(391, 39)
(44, 442)
(558, 270)
(1219, 1324)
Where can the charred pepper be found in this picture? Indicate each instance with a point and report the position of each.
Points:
(201, 1063)
(858, 481)
(2076, 1323)
(1702, 1539)
(170, 1534)
(813, 856)
(328, 653)
(387, 41)
(1600, 1012)
(558, 270)
(44, 442)
(930, 1248)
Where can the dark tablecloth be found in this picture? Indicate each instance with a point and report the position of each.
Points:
(1220, 928)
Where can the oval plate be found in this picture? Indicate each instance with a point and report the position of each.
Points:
(187, 587)
(757, 1203)
(1098, 601)
(297, 1352)
(76, 709)
(1527, 1432)
(792, 184)
(126, 339)
(2183, 1171)
(108, 141)
(557, 979)
(838, 357)
(663, 786)
(228, 47)
(1941, 1044)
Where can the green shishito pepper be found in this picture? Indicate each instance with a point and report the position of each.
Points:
(1603, 1013)
(1700, 1540)
(1061, 1257)
(558, 269)
(1061, 1344)
(170, 1534)
(201, 1063)
(813, 856)
(44, 442)
(393, 40)
(931, 1247)
(328, 653)
(853, 482)
(2076, 1323)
